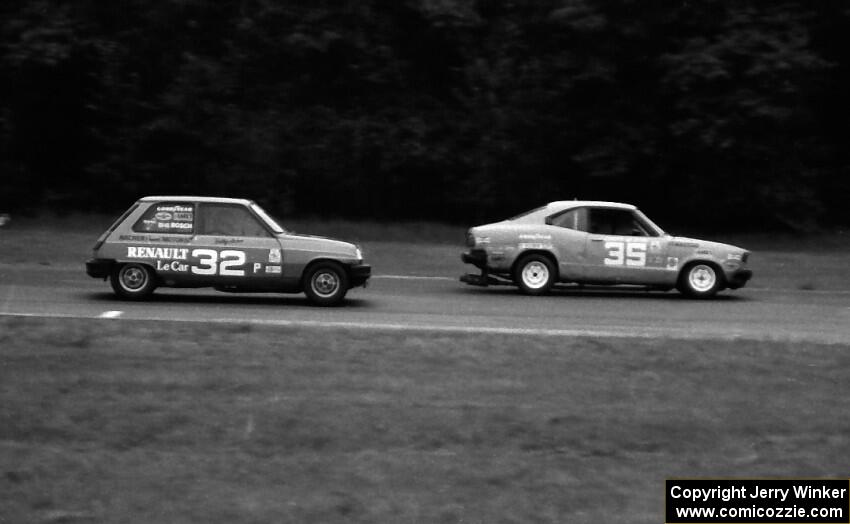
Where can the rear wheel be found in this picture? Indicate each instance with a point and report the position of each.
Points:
(133, 281)
(326, 284)
(700, 280)
(534, 274)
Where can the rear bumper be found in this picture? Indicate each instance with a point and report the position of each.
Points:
(99, 267)
(739, 278)
(358, 274)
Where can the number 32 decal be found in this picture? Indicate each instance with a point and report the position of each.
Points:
(209, 263)
(625, 253)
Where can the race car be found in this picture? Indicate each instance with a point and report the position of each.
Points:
(228, 244)
(598, 243)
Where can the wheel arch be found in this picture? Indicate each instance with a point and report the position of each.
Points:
(718, 270)
(117, 263)
(548, 254)
(316, 261)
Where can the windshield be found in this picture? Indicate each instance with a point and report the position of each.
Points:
(267, 219)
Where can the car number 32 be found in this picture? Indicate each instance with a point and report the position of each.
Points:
(625, 253)
(211, 262)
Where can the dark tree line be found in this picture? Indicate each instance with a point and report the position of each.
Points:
(728, 114)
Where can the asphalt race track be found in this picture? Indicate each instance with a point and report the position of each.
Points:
(441, 303)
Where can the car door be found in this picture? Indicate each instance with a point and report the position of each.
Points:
(622, 250)
(570, 240)
(233, 248)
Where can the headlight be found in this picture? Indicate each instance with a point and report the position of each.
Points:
(358, 253)
(734, 256)
(473, 240)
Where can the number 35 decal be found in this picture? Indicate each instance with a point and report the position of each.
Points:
(625, 253)
(209, 263)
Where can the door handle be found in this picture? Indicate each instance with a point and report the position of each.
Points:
(596, 240)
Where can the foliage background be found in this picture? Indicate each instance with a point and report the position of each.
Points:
(728, 115)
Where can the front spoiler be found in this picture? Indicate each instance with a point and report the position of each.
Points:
(484, 280)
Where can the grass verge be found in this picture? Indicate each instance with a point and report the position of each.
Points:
(143, 422)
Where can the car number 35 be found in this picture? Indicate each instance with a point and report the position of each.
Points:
(625, 253)
(211, 262)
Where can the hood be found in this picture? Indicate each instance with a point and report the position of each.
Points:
(696, 243)
(320, 244)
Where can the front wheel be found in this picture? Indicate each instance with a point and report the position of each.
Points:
(133, 281)
(534, 274)
(700, 280)
(326, 284)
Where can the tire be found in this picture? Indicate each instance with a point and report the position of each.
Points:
(133, 281)
(534, 274)
(325, 284)
(700, 280)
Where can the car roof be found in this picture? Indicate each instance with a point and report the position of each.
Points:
(208, 199)
(560, 205)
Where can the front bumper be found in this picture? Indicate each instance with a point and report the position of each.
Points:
(739, 278)
(358, 274)
(99, 267)
(476, 257)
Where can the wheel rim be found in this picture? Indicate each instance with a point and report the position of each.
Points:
(535, 275)
(133, 278)
(325, 283)
(702, 278)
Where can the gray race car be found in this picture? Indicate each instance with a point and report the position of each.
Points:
(599, 243)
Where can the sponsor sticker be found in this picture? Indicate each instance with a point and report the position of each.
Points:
(535, 236)
(175, 266)
(672, 262)
(274, 256)
(534, 245)
(163, 215)
(273, 269)
(170, 253)
(174, 209)
(174, 225)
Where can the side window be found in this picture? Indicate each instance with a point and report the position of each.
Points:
(572, 219)
(167, 217)
(229, 220)
(616, 222)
